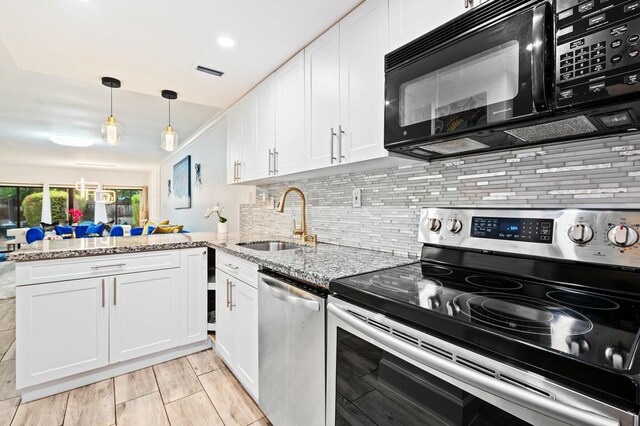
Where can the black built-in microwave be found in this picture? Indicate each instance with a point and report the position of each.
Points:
(510, 73)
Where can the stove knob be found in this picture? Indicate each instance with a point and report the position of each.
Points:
(452, 308)
(454, 225)
(433, 224)
(623, 236)
(433, 302)
(580, 233)
(615, 356)
(577, 345)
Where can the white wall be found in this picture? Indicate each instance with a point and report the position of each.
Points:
(17, 174)
(210, 150)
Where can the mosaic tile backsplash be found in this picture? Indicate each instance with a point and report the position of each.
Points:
(597, 173)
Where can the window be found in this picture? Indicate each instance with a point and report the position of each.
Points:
(21, 207)
(126, 209)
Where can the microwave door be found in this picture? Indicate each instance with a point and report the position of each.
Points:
(481, 80)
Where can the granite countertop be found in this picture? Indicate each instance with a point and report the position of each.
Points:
(317, 265)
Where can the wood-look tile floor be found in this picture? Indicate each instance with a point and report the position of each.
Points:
(194, 390)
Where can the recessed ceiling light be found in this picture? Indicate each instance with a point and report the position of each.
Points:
(70, 140)
(226, 41)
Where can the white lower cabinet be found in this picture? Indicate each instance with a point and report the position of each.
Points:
(62, 330)
(145, 310)
(77, 326)
(237, 328)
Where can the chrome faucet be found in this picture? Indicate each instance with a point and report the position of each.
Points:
(304, 237)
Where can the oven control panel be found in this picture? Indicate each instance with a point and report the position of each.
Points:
(595, 236)
(597, 50)
(513, 228)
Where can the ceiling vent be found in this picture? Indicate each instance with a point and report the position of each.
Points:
(209, 71)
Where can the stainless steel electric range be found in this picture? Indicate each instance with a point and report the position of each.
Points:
(510, 317)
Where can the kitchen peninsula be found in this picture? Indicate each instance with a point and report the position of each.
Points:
(90, 309)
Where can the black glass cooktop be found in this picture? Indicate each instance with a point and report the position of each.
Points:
(596, 327)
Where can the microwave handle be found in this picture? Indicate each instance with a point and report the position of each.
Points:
(538, 65)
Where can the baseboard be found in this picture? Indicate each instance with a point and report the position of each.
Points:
(61, 385)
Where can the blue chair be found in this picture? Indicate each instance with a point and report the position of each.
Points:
(95, 230)
(34, 234)
(136, 231)
(65, 232)
(117, 231)
(3, 257)
(81, 231)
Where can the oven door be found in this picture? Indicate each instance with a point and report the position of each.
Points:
(380, 372)
(488, 77)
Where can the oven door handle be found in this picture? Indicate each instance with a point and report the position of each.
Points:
(502, 390)
(538, 52)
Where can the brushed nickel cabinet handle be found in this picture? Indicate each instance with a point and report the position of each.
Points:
(230, 265)
(115, 291)
(115, 265)
(333, 135)
(275, 161)
(103, 290)
(270, 161)
(228, 291)
(340, 133)
(231, 305)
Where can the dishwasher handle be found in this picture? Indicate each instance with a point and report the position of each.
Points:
(273, 285)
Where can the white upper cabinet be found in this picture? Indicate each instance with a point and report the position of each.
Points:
(241, 139)
(322, 108)
(363, 44)
(265, 100)
(289, 85)
(410, 19)
(234, 141)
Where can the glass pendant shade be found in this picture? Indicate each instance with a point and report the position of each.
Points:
(111, 131)
(169, 139)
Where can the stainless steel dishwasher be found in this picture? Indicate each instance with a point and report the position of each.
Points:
(291, 346)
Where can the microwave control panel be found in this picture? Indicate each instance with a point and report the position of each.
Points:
(597, 50)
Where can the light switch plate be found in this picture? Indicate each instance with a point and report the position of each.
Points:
(356, 199)
(271, 203)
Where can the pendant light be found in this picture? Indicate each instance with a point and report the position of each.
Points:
(169, 138)
(111, 131)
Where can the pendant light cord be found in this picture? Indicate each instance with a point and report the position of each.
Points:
(111, 101)
(169, 112)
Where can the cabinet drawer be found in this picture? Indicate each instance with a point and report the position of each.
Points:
(238, 268)
(93, 266)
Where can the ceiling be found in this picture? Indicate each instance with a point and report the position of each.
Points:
(53, 53)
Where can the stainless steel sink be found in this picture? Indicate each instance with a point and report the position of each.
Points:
(270, 246)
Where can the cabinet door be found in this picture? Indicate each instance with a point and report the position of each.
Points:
(245, 299)
(410, 19)
(194, 295)
(290, 116)
(363, 43)
(62, 330)
(322, 99)
(145, 313)
(265, 99)
(234, 140)
(248, 159)
(225, 325)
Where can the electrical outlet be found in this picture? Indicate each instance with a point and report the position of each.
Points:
(356, 199)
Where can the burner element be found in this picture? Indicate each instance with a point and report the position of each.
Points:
(435, 270)
(493, 282)
(582, 300)
(522, 314)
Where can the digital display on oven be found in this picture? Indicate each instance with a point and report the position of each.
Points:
(516, 229)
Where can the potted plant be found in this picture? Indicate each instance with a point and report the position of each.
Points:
(74, 216)
(222, 221)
